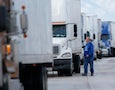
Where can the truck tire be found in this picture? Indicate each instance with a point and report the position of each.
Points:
(5, 87)
(60, 72)
(33, 77)
(5, 83)
(77, 64)
(113, 52)
(65, 72)
(4, 76)
(100, 56)
(43, 79)
(95, 58)
(69, 72)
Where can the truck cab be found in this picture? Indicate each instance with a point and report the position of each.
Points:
(106, 38)
(62, 53)
(66, 36)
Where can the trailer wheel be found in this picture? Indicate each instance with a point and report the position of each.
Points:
(43, 78)
(33, 78)
(69, 72)
(5, 85)
(95, 58)
(60, 72)
(100, 56)
(77, 64)
(5, 82)
(4, 76)
(113, 52)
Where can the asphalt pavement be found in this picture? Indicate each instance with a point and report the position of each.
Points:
(103, 79)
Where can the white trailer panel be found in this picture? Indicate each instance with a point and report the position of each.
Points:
(59, 11)
(37, 47)
(113, 34)
(91, 26)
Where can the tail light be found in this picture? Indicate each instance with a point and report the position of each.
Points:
(8, 49)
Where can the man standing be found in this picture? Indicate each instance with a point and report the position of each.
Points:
(88, 57)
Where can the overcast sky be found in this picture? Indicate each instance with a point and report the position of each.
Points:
(104, 9)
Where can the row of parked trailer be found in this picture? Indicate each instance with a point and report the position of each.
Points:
(36, 34)
(102, 34)
(108, 38)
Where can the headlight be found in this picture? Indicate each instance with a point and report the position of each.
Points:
(66, 54)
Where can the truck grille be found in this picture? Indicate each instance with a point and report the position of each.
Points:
(55, 50)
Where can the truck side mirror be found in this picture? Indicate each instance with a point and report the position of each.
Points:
(2, 18)
(94, 37)
(88, 34)
(75, 30)
(85, 36)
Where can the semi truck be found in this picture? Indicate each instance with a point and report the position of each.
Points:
(112, 38)
(4, 51)
(91, 31)
(66, 36)
(30, 38)
(107, 37)
(99, 50)
(90, 28)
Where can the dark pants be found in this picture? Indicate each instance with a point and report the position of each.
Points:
(90, 61)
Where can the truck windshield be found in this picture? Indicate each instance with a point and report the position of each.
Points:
(59, 30)
(104, 37)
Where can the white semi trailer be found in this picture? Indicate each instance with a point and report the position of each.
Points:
(32, 54)
(88, 29)
(66, 36)
(91, 31)
(108, 38)
(112, 35)
(91, 28)
(3, 45)
(99, 50)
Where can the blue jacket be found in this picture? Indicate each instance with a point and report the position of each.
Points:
(89, 50)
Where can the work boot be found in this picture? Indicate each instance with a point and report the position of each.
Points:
(84, 74)
(92, 74)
